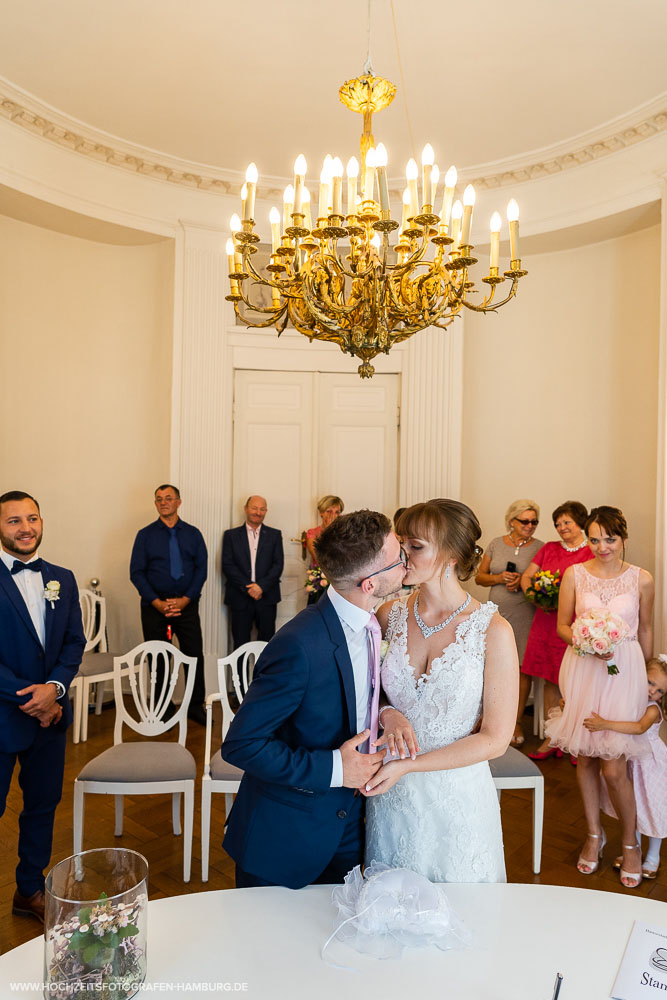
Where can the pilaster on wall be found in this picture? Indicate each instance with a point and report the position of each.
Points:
(431, 415)
(202, 408)
(660, 624)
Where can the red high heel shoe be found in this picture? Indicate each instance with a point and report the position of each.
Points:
(545, 754)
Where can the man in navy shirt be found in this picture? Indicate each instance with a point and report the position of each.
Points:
(168, 567)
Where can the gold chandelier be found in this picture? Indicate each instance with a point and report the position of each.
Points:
(336, 281)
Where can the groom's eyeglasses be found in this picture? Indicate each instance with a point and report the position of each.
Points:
(403, 561)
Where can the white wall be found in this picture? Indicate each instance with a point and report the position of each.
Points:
(86, 335)
(561, 389)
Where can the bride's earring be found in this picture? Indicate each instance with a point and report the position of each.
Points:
(448, 571)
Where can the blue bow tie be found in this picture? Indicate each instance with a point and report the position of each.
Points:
(35, 566)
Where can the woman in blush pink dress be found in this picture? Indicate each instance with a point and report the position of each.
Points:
(607, 581)
(545, 648)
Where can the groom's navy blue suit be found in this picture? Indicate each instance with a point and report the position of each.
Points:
(41, 752)
(287, 823)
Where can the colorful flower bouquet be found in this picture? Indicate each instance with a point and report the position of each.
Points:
(598, 632)
(316, 582)
(544, 589)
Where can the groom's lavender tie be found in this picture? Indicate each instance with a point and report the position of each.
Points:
(375, 637)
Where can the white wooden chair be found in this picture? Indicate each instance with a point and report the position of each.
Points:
(515, 770)
(151, 766)
(219, 776)
(96, 665)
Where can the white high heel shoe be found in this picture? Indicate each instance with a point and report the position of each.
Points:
(633, 879)
(592, 866)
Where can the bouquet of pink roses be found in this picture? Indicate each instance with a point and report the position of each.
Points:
(598, 632)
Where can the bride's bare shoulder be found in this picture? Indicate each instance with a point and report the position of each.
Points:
(384, 611)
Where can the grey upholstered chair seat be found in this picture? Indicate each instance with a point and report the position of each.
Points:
(222, 771)
(96, 663)
(146, 761)
(514, 764)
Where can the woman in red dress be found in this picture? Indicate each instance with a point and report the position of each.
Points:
(544, 650)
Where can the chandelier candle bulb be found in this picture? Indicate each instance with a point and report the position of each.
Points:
(251, 177)
(337, 187)
(411, 174)
(305, 201)
(235, 224)
(451, 178)
(300, 168)
(369, 175)
(381, 164)
(496, 223)
(435, 177)
(288, 207)
(231, 265)
(274, 219)
(406, 210)
(352, 174)
(468, 202)
(513, 219)
(428, 158)
(457, 214)
(244, 198)
(325, 181)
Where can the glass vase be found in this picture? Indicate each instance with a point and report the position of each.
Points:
(95, 925)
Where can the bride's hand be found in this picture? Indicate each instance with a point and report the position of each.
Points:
(383, 779)
(398, 735)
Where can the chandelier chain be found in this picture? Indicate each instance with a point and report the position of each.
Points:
(400, 73)
(368, 65)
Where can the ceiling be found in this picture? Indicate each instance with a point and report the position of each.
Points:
(220, 82)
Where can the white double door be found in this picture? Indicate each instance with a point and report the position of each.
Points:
(300, 435)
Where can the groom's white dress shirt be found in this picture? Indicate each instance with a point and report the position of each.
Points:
(353, 621)
(31, 588)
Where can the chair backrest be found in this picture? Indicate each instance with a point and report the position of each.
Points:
(240, 666)
(152, 689)
(94, 615)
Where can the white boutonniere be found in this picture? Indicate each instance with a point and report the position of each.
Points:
(52, 592)
(384, 649)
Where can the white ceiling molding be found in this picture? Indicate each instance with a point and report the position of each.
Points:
(29, 113)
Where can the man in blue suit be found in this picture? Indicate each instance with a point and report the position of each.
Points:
(298, 817)
(41, 645)
(252, 561)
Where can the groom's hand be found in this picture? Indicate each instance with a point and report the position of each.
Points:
(359, 768)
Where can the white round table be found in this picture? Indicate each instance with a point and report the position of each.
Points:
(265, 944)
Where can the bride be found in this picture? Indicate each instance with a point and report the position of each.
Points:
(450, 663)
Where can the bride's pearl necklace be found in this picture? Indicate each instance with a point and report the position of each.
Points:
(429, 630)
(575, 548)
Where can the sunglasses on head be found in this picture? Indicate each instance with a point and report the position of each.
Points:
(526, 520)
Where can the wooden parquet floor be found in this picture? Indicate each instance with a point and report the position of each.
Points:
(147, 829)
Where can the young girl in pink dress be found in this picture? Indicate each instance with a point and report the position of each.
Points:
(649, 774)
(607, 581)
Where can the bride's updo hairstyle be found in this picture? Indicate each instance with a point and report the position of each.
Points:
(449, 525)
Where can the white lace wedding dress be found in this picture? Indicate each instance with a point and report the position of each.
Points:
(443, 824)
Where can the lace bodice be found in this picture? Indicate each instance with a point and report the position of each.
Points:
(445, 704)
(620, 595)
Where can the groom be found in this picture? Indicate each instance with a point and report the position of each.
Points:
(301, 733)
